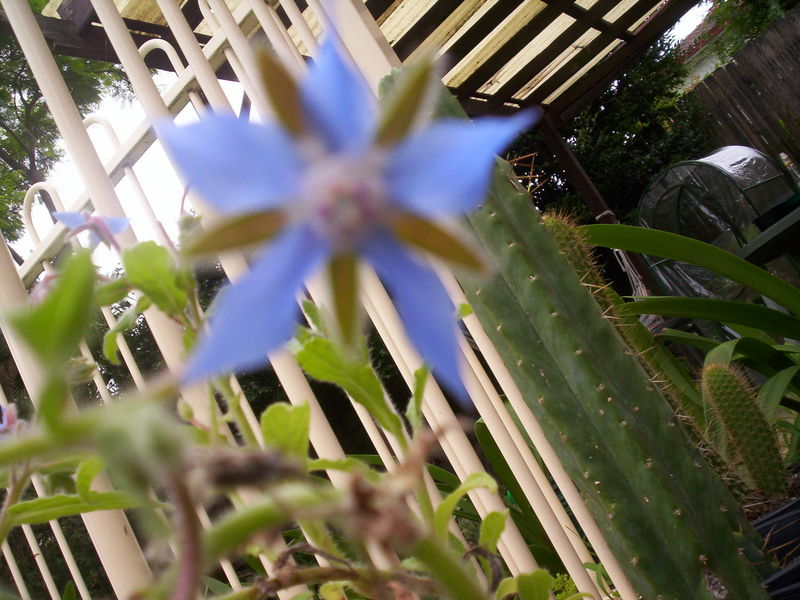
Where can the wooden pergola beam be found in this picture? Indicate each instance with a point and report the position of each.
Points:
(480, 30)
(512, 47)
(549, 54)
(422, 28)
(577, 62)
(598, 79)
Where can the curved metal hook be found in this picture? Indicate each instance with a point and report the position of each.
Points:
(167, 48)
(27, 204)
(107, 127)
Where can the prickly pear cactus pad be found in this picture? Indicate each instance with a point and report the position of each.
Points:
(666, 516)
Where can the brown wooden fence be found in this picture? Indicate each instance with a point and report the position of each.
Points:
(755, 100)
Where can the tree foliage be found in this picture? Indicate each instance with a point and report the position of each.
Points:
(637, 127)
(29, 139)
(736, 22)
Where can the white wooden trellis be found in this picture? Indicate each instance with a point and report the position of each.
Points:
(122, 558)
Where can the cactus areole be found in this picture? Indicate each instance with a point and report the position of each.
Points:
(668, 519)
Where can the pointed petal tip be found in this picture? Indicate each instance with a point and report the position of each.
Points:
(234, 164)
(338, 103)
(117, 224)
(72, 220)
(456, 390)
(258, 313)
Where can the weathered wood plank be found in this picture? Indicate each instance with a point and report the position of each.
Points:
(755, 100)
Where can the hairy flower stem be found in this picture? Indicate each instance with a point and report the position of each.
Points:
(424, 500)
(19, 481)
(190, 559)
(233, 400)
(267, 588)
(458, 581)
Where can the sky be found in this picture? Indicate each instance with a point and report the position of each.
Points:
(690, 20)
(161, 187)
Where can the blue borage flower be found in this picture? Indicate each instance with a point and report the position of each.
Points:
(8, 419)
(101, 229)
(330, 180)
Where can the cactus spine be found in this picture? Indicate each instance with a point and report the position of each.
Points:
(750, 440)
(666, 516)
(677, 384)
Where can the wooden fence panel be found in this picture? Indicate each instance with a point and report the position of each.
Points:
(755, 100)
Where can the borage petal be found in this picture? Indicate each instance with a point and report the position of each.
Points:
(73, 220)
(423, 305)
(445, 168)
(233, 164)
(258, 313)
(338, 104)
(94, 239)
(117, 225)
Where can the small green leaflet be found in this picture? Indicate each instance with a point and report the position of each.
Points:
(54, 327)
(492, 528)
(414, 409)
(286, 428)
(48, 508)
(126, 322)
(84, 476)
(324, 360)
(445, 509)
(535, 585)
(150, 268)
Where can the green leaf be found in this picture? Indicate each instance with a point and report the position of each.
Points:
(774, 389)
(46, 509)
(677, 247)
(507, 587)
(464, 310)
(445, 509)
(216, 587)
(722, 354)
(414, 408)
(333, 590)
(69, 592)
(84, 476)
(286, 428)
(150, 268)
(52, 400)
(448, 570)
(348, 465)
(112, 292)
(53, 328)
(492, 528)
(766, 319)
(323, 360)
(125, 322)
(689, 339)
(535, 585)
(314, 316)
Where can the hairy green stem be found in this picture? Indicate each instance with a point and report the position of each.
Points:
(316, 575)
(35, 444)
(190, 559)
(19, 483)
(223, 386)
(284, 505)
(457, 580)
